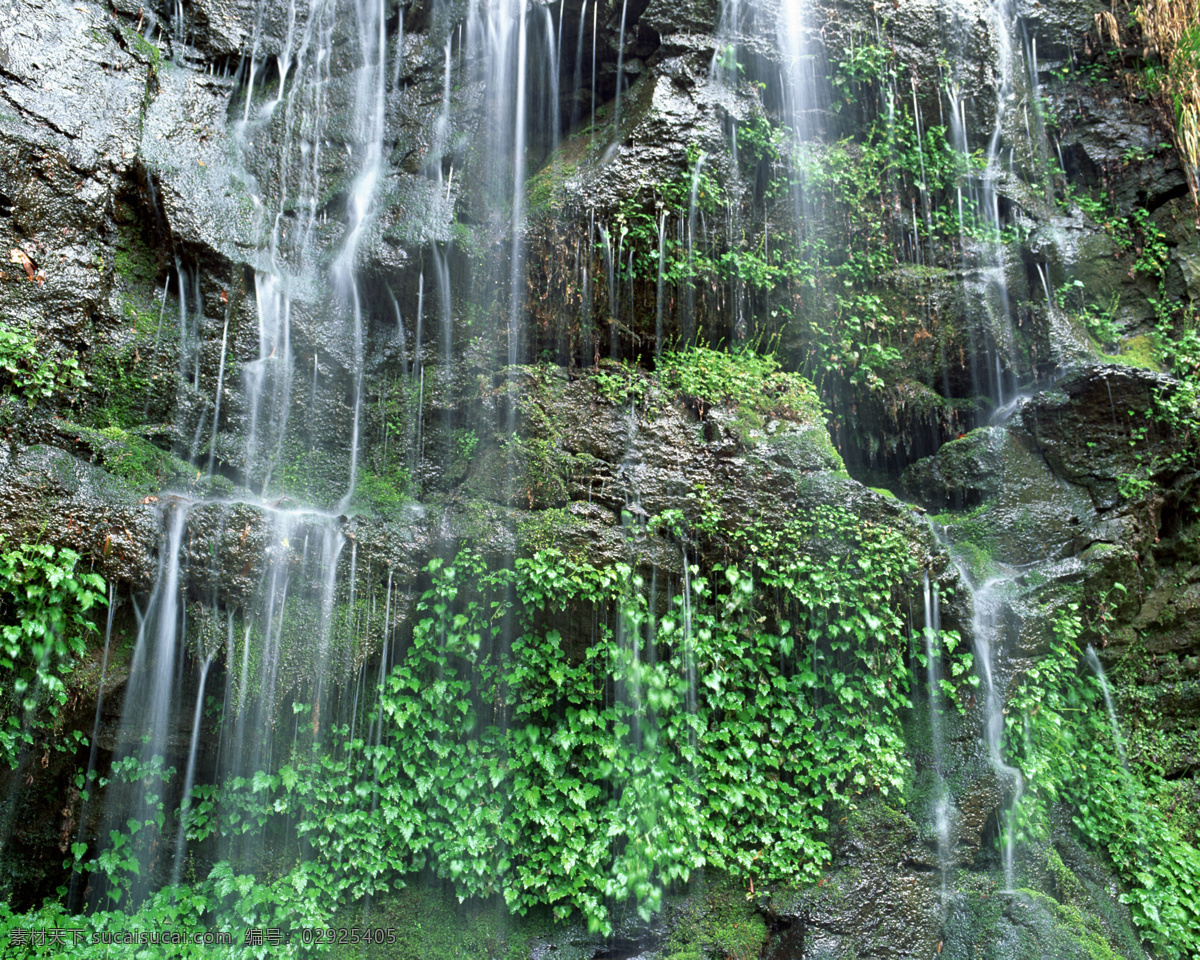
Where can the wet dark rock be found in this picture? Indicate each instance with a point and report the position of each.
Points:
(1085, 427)
(221, 30)
(880, 898)
(50, 495)
(919, 32)
(1018, 511)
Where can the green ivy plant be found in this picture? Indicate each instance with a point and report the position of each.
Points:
(29, 372)
(725, 726)
(1058, 731)
(45, 602)
(746, 378)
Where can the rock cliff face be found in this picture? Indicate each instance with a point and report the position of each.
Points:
(354, 287)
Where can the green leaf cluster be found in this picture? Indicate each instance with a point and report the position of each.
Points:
(745, 378)
(724, 725)
(1060, 734)
(28, 371)
(45, 601)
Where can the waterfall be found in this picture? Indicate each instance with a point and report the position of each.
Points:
(933, 678)
(986, 626)
(1118, 739)
(151, 692)
(339, 453)
(991, 612)
(189, 778)
(73, 895)
(688, 330)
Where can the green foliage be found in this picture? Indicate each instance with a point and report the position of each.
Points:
(1059, 732)
(123, 390)
(30, 371)
(761, 140)
(860, 68)
(136, 261)
(743, 378)
(1149, 243)
(1136, 234)
(721, 922)
(137, 460)
(619, 383)
(821, 281)
(133, 374)
(722, 728)
(1175, 412)
(383, 491)
(44, 625)
(1177, 339)
(418, 924)
(465, 442)
(1099, 319)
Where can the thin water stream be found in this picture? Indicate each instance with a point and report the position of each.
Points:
(992, 617)
(942, 802)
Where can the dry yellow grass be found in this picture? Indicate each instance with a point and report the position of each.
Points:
(1170, 29)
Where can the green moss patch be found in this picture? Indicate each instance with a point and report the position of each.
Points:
(423, 923)
(721, 922)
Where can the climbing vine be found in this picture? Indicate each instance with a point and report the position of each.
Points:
(722, 722)
(1071, 753)
(720, 729)
(45, 601)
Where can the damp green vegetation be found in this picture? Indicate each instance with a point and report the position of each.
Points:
(543, 191)
(46, 601)
(499, 762)
(1175, 413)
(314, 473)
(123, 390)
(1024, 923)
(747, 379)
(286, 646)
(543, 529)
(132, 370)
(417, 924)
(135, 260)
(1140, 351)
(1148, 685)
(135, 459)
(884, 198)
(383, 492)
(720, 921)
(385, 479)
(138, 45)
(532, 467)
(751, 381)
(36, 372)
(620, 382)
(1135, 234)
(1060, 733)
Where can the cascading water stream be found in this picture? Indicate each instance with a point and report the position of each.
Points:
(73, 895)
(1118, 740)
(658, 295)
(190, 775)
(986, 627)
(991, 609)
(299, 110)
(688, 326)
(620, 65)
(933, 676)
(689, 655)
